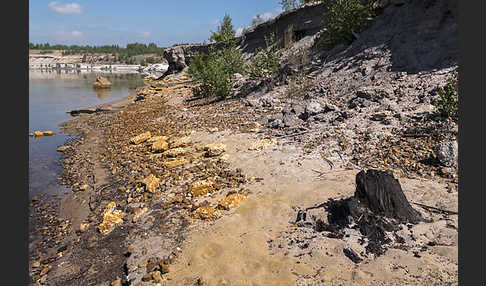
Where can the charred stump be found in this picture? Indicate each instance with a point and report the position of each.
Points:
(377, 209)
(382, 193)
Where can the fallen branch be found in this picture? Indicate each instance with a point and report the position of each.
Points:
(437, 210)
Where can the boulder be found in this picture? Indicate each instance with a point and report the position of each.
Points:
(447, 153)
(206, 213)
(314, 108)
(151, 183)
(231, 201)
(63, 148)
(160, 146)
(111, 217)
(175, 152)
(141, 138)
(374, 93)
(101, 82)
(202, 187)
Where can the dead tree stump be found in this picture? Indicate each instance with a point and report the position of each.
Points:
(382, 193)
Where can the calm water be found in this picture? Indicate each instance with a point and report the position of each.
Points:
(51, 95)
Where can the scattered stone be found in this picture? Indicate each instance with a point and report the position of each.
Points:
(158, 138)
(181, 142)
(38, 133)
(215, 149)
(175, 152)
(63, 148)
(83, 226)
(47, 133)
(381, 115)
(111, 217)
(138, 214)
(31, 134)
(141, 138)
(206, 213)
(231, 201)
(151, 183)
(200, 188)
(374, 93)
(262, 144)
(160, 146)
(83, 187)
(175, 162)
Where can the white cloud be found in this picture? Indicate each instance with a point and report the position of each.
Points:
(271, 14)
(66, 36)
(71, 8)
(239, 31)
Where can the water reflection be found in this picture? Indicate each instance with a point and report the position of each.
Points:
(102, 92)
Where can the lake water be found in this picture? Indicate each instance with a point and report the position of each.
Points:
(51, 96)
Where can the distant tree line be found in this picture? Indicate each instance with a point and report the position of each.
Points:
(130, 49)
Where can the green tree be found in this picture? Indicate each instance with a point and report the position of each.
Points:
(225, 31)
(214, 71)
(347, 18)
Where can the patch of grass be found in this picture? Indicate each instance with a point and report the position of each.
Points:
(447, 104)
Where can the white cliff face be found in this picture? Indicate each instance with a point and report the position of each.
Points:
(156, 68)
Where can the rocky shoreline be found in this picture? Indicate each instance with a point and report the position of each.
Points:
(156, 222)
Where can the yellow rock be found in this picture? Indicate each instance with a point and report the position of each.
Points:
(141, 138)
(117, 282)
(262, 144)
(38, 133)
(231, 201)
(160, 146)
(158, 138)
(101, 82)
(83, 226)
(200, 188)
(83, 187)
(111, 217)
(175, 152)
(47, 133)
(63, 148)
(213, 150)
(173, 163)
(206, 213)
(151, 183)
(181, 142)
(139, 214)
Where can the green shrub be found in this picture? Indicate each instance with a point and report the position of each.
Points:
(214, 71)
(265, 64)
(346, 18)
(447, 104)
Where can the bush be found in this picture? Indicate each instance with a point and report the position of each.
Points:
(447, 104)
(265, 64)
(214, 71)
(346, 18)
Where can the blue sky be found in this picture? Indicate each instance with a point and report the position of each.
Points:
(106, 22)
